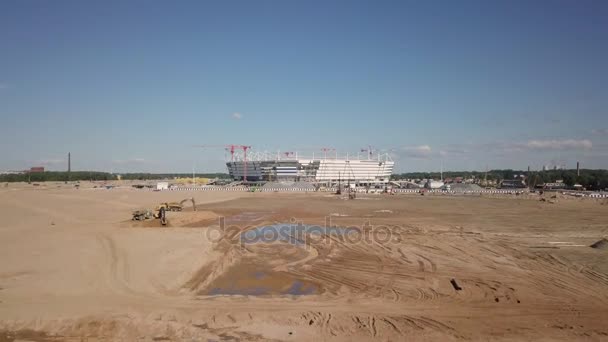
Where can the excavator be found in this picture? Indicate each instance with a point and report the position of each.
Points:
(160, 212)
(175, 206)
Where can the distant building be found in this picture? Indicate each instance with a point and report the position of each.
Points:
(12, 172)
(554, 186)
(512, 184)
(36, 169)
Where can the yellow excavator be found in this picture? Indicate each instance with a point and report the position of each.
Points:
(160, 212)
(175, 206)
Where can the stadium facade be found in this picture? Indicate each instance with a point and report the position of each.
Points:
(316, 170)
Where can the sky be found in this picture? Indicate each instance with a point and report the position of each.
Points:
(132, 86)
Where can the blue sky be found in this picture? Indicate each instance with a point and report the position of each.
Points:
(132, 85)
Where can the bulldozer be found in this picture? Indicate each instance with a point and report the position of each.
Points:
(142, 215)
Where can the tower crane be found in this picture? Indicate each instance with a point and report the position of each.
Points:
(231, 148)
(369, 151)
(325, 150)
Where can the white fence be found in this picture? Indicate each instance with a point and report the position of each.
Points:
(399, 191)
(582, 194)
(210, 188)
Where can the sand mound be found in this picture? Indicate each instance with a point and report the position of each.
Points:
(190, 218)
(601, 244)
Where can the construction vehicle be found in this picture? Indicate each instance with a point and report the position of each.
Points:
(175, 206)
(162, 216)
(142, 215)
(186, 200)
(169, 206)
(160, 212)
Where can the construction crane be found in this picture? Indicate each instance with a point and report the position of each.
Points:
(231, 148)
(325, 150)
(369, 151)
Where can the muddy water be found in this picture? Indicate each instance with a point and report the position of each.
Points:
(272, 246)
(252, 279)
(262, 271)
(295, 234)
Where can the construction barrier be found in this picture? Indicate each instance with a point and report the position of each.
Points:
(579, 194)
(399, 191)
(437, 191)
(209, 188)
(286, 189)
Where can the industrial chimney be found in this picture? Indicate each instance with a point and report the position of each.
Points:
(69, 165)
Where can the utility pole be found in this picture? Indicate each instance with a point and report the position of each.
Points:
(485, 179)
(69, 166)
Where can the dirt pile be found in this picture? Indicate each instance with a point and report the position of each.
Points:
(387, 268)
(601, 244)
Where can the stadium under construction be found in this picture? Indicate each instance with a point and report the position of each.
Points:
(290, 167)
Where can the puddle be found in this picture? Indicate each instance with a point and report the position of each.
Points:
(292, 233)
(264, 272)
(252, 280)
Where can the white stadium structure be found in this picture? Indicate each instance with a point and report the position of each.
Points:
(276, 167)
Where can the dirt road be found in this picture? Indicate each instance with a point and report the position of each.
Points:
(73, 265)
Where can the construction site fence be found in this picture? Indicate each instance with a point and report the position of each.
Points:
(398, 191)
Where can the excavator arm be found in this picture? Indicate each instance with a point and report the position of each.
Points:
(189, 200)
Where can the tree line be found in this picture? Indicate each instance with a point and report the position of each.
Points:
(151, 176)
(63, 176)
(590, 179)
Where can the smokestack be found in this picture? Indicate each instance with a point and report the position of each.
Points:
(578, 170)
(69, 165)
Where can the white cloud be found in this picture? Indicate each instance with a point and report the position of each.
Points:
(453, 151)
(537, 145)
(600, 131)
(237, 116)
(129, 161)
(50, 161)
(565, 144)
(420, 151)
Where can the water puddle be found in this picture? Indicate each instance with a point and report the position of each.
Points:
(251, 280)
(292, 233)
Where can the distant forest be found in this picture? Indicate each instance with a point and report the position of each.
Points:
(590, 179)
(56, 176)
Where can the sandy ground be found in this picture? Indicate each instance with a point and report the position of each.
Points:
(74, 267)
